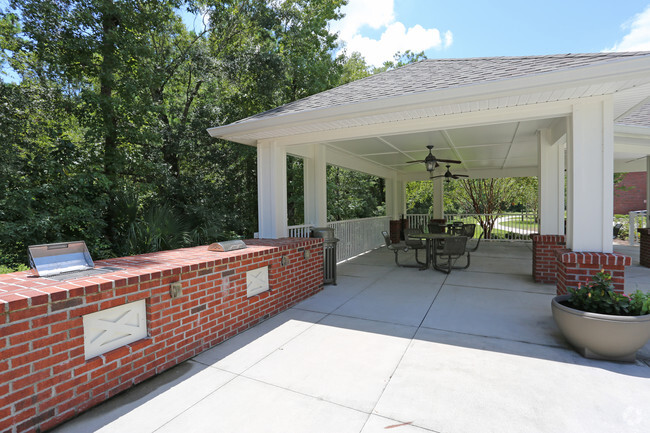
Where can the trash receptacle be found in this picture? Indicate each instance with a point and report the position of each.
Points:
(329, 252)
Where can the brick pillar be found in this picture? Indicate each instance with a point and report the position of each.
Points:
(574, 268)
(644, 250)
(544, 261)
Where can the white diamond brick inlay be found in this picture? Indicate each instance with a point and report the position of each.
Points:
(109, 329)
(257, 281)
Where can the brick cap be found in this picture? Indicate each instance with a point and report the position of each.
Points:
(587, 258)
(644, 230)
(536, 237)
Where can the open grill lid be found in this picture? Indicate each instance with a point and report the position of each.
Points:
(54, 259)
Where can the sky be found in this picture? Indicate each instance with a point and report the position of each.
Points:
(480, 28)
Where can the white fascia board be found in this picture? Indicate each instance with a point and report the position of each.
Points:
(642, 132)
(620, 70)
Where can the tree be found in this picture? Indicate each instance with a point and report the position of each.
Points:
(487, 198)
(121, 94)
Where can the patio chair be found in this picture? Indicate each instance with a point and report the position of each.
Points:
(453, 249)
(414, 244)
(469, 230)
(474, 248)
(396, 248)
(617, 229)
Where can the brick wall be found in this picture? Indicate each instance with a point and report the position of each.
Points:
(544, 259)
(578, 268)
(635, 197)
(44, 376)
(644, 247)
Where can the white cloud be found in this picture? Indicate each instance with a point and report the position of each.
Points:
(638, 36)
(380, 15)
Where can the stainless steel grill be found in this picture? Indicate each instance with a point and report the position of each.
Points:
(64, 260)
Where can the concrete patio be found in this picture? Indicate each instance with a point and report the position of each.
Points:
(397, 349)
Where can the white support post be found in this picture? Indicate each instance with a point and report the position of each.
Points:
(438, 198)
(395, 198)
(272, 190)
(647, 194)
(315, 186)
(590, 169)
(551, 184)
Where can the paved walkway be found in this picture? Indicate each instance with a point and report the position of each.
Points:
(396, 350)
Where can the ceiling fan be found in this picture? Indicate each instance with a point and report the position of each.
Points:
(449, 176)
(431, 162)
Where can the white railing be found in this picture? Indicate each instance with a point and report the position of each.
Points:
(637, 219)
(515, 226)
(355, 236)
(358, 236)
(301, 231)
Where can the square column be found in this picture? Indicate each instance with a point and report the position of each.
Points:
(272, 190)
(590, 169)
(395, 198)
(315, 186)
(438, 198)
(550, 177)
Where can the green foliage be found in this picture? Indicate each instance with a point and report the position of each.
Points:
(599, 297)
(17, 268)
(295, 191)
(104, 137)
(351, 194)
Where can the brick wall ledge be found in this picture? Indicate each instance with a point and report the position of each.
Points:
(47, 372)
(21, 290)
(589, 258)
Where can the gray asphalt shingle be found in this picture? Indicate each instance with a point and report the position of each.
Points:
(437, 74)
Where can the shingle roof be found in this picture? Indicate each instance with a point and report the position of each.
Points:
(437, 74)
(639, 117)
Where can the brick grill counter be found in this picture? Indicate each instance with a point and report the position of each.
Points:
(45, 377)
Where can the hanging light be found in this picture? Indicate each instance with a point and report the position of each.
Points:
(430, 161)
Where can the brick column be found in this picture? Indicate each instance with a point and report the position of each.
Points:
(574, 268)
(644, 250)
(544, 261)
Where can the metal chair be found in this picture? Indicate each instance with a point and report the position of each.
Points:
(453, 249)
(414, 244)
(468, 230)
(396, 248)
(478, 242)
(617, 229)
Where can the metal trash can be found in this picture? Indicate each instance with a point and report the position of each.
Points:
(329, 252)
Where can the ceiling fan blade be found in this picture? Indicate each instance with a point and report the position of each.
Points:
(411, 162)
(451, 161)
(461, 175)
(433, 177)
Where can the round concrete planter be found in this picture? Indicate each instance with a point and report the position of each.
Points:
(601, 336)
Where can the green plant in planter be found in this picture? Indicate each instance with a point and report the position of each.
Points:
(599, 297)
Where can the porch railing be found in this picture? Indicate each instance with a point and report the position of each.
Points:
(355, 236)
(637, 219)
(358, 236)
(515, 226)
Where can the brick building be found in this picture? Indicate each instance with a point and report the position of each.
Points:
(633, 197)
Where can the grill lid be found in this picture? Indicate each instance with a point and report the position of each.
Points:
(54, 259)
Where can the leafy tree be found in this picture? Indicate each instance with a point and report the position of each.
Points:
(352, 194)
(113, 149)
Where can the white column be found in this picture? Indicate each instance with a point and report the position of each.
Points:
(590, 170)
(550, 176)
(272, 190)
(315, 186)
(395, 198)
(438, 198)
(647, 191)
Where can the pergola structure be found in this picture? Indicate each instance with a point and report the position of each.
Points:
(583, 115)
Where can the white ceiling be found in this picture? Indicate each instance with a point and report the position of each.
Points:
(498, 146)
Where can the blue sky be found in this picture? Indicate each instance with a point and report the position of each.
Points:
(452, 29)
